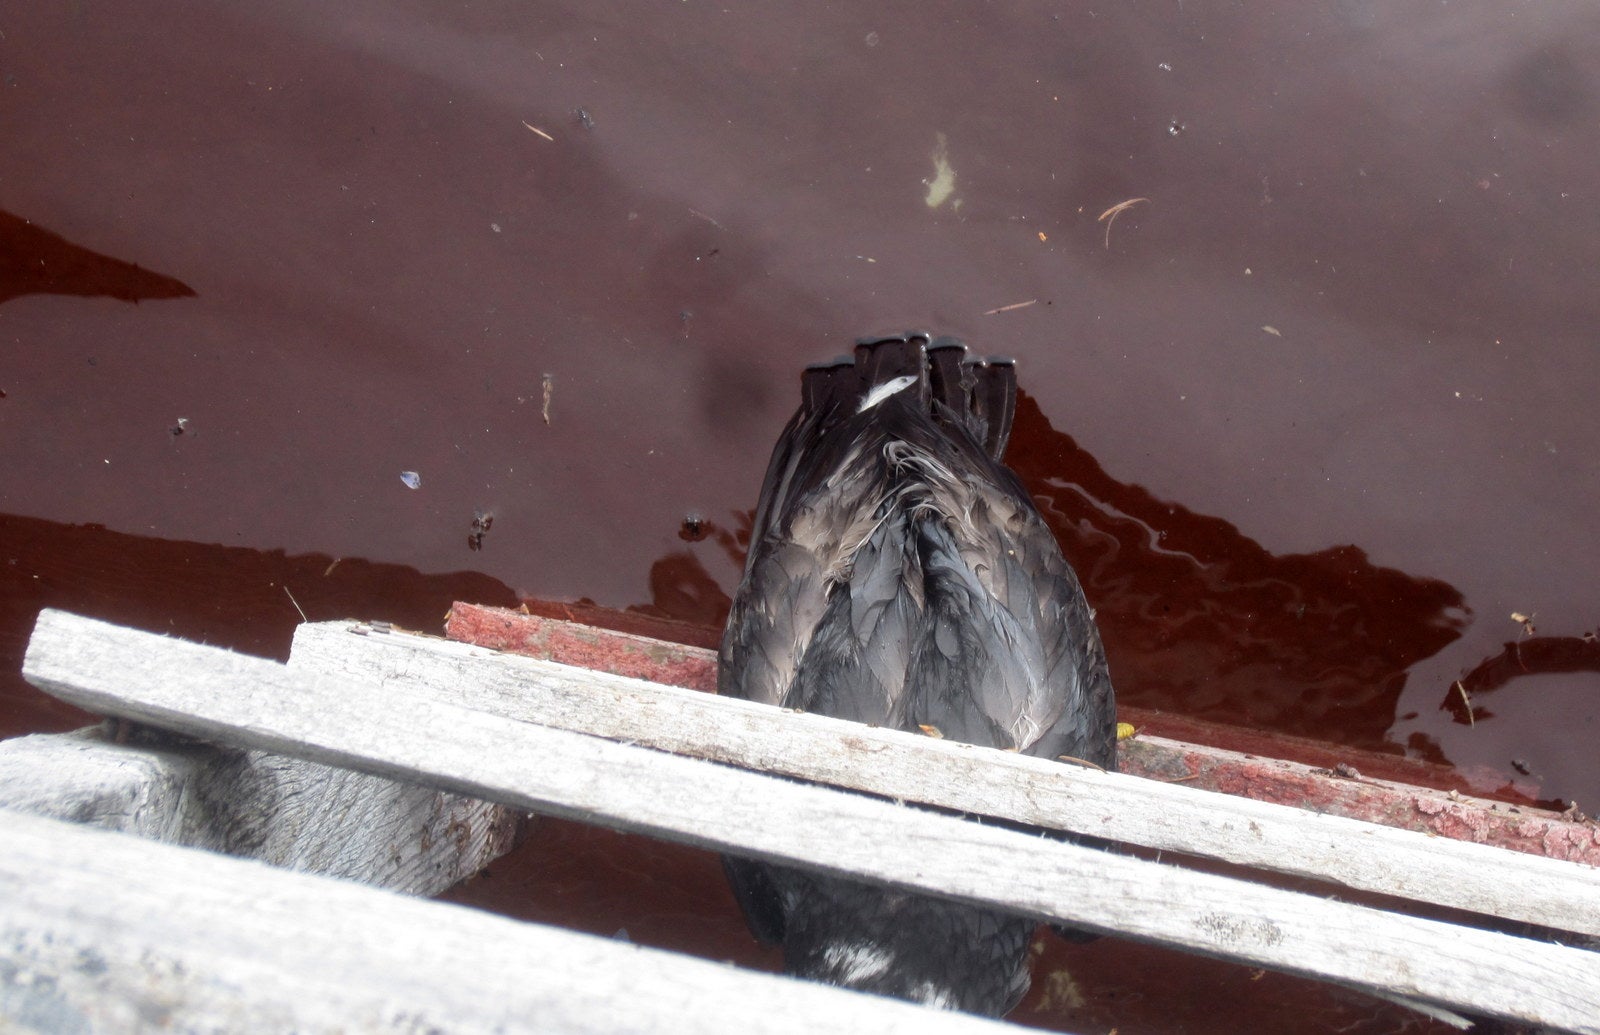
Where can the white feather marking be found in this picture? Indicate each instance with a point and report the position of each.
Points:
(930, 994)
(854, 962)
(881, 392)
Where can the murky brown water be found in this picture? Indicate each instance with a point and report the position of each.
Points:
(1314, 420)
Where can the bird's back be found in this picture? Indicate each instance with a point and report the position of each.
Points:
(900, 575)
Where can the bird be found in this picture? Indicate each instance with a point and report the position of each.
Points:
(899, 574)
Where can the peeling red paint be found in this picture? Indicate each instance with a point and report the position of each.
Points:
(586, 646)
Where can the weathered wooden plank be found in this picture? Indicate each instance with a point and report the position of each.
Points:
(80, 778)
(329, 820)
(104, 932)
(212, 693)
(1028, 790)
(281, 810)
(1389, 789)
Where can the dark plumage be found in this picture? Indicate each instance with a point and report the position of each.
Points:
(899, 574)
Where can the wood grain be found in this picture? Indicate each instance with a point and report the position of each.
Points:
(111, 933)
(391, 731)
(1035, 792)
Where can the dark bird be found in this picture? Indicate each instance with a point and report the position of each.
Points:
(899, 574)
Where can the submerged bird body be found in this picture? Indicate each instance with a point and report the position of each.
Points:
(900, 575)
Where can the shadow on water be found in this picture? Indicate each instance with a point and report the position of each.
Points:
(34, 261)
(1200, 619)
(244, 599)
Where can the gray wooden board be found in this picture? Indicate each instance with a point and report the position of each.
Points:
(80, 778)
(1036, 792)
(285, 811)
(212, 693)
(101, 931)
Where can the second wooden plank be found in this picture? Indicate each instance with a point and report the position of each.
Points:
(1032, 791)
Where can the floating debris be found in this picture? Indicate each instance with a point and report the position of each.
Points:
(701, 215)
(1110, 215)
(412, 479)
(1061, 994)
(943, 183)
(1466, 700)
(1526, 621)
(1273, 331)
(482, 521)
(537, 130)
(547, 383)
(1013, 305)
(584, 118)
(177, 429)
(296, 604)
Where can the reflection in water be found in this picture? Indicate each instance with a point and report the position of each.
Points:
(682, 589)
(1198, 618)
(1533, 656)
(34, 261)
